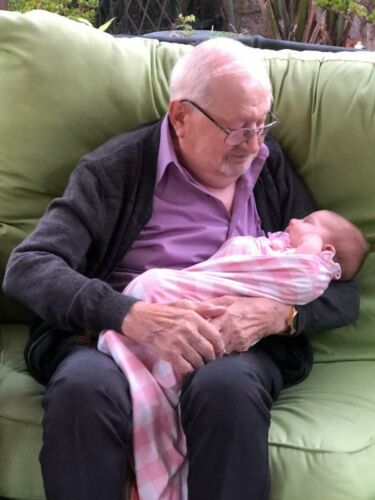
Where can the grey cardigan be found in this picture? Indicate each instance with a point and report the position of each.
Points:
(60, 270)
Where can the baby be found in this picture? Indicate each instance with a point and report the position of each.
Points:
(293, 267)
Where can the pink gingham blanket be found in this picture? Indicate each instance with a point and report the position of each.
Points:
(158, 439)
(245, 266)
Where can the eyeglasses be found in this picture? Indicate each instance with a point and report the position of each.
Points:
(235, 137)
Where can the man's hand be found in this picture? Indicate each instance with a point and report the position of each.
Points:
(248, 319)
(180, 332)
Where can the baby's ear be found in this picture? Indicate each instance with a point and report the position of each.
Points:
(329, 247)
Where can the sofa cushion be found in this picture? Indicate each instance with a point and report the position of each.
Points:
(356, 341)
(326, 123)
(20, 419)
(322, 437)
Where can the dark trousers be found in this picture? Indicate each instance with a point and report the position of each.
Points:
(225, 409)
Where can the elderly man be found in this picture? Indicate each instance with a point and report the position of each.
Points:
(168, 195)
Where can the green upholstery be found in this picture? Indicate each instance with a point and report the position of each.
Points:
(64, 89)
(20, 419)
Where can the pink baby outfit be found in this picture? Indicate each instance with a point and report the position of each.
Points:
(243, 266)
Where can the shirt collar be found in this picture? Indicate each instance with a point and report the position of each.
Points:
(167, 154)
(251, 175)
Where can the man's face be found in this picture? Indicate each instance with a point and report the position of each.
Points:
(201, 144)
(315, 224)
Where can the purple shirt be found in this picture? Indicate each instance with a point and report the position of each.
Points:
(188, 223)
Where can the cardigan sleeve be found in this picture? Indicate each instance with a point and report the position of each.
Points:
(45, 273)
(281, 195)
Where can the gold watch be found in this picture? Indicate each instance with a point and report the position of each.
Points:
(291, 322)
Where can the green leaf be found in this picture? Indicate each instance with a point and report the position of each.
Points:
(272, 23)
(106, 25)
(282, 17)
(81, 20)
(300, 19)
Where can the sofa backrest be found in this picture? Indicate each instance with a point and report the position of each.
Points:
(65, 88)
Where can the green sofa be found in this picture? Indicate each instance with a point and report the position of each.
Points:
(65, 88)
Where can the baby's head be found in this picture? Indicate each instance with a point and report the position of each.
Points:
(335, 231)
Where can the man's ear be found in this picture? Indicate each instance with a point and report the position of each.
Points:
(177, 115)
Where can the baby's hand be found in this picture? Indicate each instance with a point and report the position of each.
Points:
(277, 244)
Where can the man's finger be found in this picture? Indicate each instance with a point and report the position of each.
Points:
(192, 356)
(204, 347)
(181, 366)
(212, 334)
(207, 310)
(224, 301)
(204, 309)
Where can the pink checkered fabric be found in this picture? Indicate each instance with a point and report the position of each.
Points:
(244, 266)
(158, 439)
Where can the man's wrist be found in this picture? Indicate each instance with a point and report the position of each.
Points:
(291, 322)
(133, 309)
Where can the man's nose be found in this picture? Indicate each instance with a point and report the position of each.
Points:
(252, 143)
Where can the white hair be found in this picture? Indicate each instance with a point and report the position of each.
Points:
(196, 70)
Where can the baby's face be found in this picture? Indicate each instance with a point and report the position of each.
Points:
(300, 229)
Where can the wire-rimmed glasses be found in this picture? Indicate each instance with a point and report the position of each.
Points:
(235, 137)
